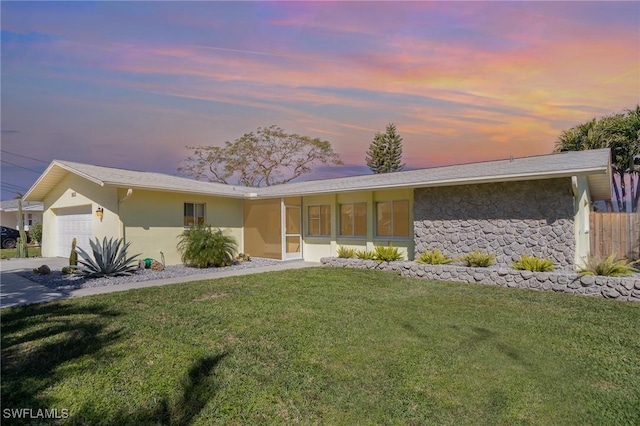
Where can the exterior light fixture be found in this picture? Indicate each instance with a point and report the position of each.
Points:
(99, 213)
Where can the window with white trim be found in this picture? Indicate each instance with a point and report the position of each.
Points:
(392, 218)
(193, 214)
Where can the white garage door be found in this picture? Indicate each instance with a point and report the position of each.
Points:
(73, 222)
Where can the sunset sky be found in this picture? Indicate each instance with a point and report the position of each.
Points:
(129, 84)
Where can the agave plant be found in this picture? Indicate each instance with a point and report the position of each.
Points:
(109, 259)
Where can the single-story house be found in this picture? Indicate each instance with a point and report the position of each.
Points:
(536, 205)
(31, 213)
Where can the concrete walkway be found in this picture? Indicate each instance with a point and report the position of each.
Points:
(16, 290)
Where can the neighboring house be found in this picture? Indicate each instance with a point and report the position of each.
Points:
(536, 205)
(31, 213)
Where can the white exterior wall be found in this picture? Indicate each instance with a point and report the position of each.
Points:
(582, 203)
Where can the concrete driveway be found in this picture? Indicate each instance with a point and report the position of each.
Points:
(15, 290)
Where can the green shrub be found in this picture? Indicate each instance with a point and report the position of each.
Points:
(434, 257)
(36, 232)
(387, 254)
(346, 253)
(68, 270)
(365, 255)
(201, 246)
(533, 263)
(109, 259)
(608, 267)
(478, 259)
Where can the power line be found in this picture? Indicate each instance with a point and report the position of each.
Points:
(9, 185)
(24, 156)
(22, 167)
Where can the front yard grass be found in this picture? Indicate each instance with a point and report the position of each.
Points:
(330, 346)
(11, 253)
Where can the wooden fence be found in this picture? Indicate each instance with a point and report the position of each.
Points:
(615, 233)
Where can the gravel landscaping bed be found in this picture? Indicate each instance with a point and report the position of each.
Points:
(59, 281)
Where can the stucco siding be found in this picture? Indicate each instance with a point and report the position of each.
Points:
(316, 247)
(152, 220)
(76, 191)
(508, 219)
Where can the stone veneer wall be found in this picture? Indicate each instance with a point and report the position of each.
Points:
(624, 289)
(506, 218)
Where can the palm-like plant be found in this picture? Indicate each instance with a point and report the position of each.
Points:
(201, 246)
(109, 259)
(620, 133)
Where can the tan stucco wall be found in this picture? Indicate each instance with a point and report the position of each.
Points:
(153, 220)
(75, 191)
(315, 248)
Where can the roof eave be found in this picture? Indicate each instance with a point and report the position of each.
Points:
(450, 182)
(34, 195)
(175, 190)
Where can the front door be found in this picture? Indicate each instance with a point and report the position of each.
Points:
(293, 235)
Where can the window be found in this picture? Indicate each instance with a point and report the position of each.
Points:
(193, 214)
(319, 220)
(392, 219)
(353, 220)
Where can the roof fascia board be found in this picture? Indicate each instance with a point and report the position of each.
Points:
(452, 182)
(174, 190)
(46, 173)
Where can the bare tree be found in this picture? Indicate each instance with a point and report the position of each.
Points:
(266, 157)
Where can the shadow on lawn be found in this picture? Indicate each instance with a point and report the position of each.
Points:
(198, 388)
(38, 339)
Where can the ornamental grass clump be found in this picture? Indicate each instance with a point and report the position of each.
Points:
(478, 259)
(434, 257)
(533, 264)
(608, 267)
(346, 252)
(109, 259)
(365, 255)
(202, 247)
(387, 254)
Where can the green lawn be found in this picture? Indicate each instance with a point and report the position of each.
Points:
(329, 346)
(10, 253)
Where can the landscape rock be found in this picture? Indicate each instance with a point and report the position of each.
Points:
(559, 281)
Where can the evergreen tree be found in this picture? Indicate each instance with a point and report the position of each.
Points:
(385, 152)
